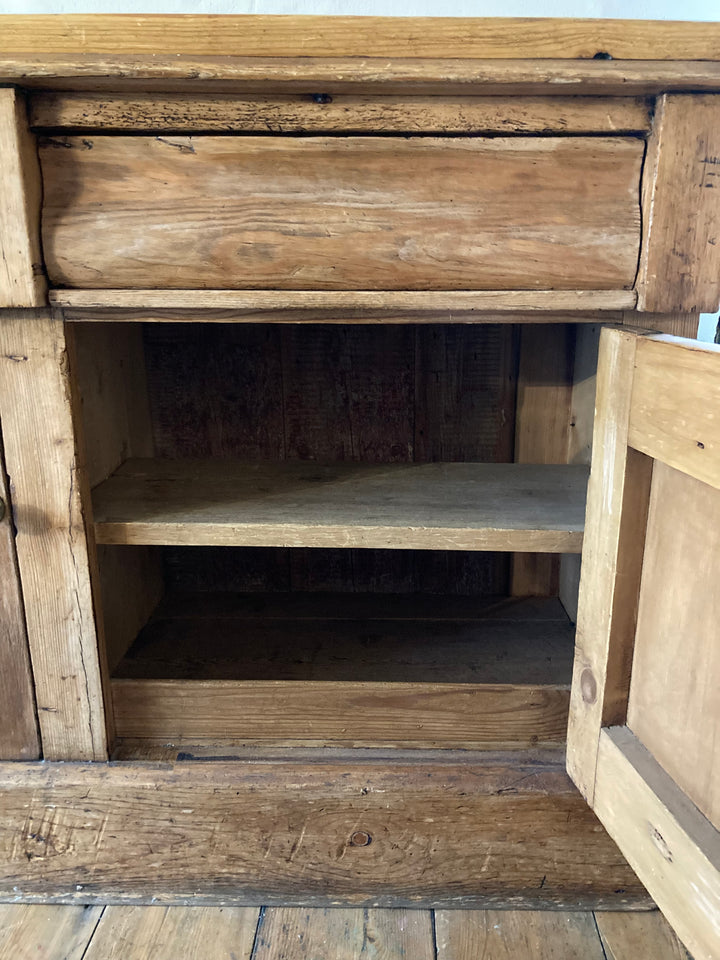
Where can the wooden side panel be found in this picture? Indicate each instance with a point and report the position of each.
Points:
(109, 383)
(457, 832)
(674, 706)
(333, 213)
(580, 434)
(676, 395)
(54, 554)
(616, 516)
(672, 847)
(22, 280)
(680, 259)
(541, 433)
(18, 721)
(300, 113)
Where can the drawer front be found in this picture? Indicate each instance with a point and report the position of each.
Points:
(354, 213)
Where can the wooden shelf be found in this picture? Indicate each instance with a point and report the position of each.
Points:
(391, 669)
(432, 506)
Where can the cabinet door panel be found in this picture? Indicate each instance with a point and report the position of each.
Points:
(644, 732)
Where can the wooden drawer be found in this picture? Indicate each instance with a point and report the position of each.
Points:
(333, 213)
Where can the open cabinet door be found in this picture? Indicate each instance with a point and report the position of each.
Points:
(644, 732)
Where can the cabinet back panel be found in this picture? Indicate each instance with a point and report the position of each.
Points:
(339, 213)
(363, 393)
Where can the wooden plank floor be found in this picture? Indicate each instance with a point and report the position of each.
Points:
(283, 933)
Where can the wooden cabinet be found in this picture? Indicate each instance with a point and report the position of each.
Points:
(299, 359)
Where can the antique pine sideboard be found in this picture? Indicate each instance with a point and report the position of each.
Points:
(313, 330)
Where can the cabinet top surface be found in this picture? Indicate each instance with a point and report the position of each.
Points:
(358, 37)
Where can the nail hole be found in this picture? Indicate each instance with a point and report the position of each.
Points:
(602, 55)
(322, 98)
(360, 839)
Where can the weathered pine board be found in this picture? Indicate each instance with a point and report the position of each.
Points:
(303, 113)
(19, 738)
(672, 847)
(217, 833)
(618, 493)
(674, 706)
(166, 933)
(680, 262)
(348, 934)
(628, 936)
(209, 643)
(454, 506)
(381, 37)
(22, 278)
(428, 714)
(29, 931)
(332, 213)
(54, 546)
(542, 418)
(516, 935)
(193, 74)
(676, 392)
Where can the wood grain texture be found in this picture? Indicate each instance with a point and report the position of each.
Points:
(109, 382)
(54, 554)
(33, 931)
(618, 493)
(165, 933)
(316, 36)
(542, 423)
(384, 393)
(378, 213)
(19, 738)
(345, 934)
(302, 114)
(22, 279)
(674, 850)
(325, 710)
(511, 935)
(673, 706)
(579, 445)
(460, 76)
(676, 396)
(356, 637)
(627, 936)
(453, 506)
(680, 261)
(214, 833)
(344, 306)
(675, 324)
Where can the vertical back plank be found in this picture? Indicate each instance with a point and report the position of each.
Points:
(618, 495)
(18, 722)
(22, 279)
(54, 553)
(541, 434)
(582, 420)
(680, 257)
